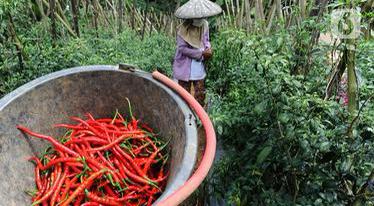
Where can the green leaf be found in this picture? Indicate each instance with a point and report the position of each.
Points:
(263, 154)
(220, 129)
(325, 146)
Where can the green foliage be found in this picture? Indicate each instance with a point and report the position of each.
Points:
(283, 143)
(151, 53)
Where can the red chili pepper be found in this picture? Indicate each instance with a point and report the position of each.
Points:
(149, 161)
(39, 184)
(91, 204)
(110, 191)
(55, 143)
(130, 160)
(105, 201)
(50, 192)
(116, 142)
(58, 188)
(83, 186)
(55, 161)
(79, 200)
(129, 180)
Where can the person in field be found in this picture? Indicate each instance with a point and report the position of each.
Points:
(193, 46)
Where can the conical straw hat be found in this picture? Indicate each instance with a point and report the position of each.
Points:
(196, 9)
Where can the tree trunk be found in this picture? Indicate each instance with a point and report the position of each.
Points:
(120, 15)
(352, 78)
(52, 7)
(75, 11)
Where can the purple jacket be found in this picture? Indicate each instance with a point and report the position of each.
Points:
(184, 55)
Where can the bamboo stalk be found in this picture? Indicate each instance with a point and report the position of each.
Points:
(228, 11)
(279, 10)
(17, 42)
(75, 11)
(41, 9)
(259, 11)
(352, 78)
(248, 15)
(120, 15)
(101, 12)
(241, 15)
(302, 5)
(271, 16)
(66, 25)
(60, 11)
(52, 6)
(95, 18)
(133, 14)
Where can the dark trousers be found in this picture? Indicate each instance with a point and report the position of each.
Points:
(199, 89)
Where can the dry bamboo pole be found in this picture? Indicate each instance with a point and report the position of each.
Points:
(279, 10)
(52, 6)
(66, 25)
(95, 18)
(241, 15)
(302, 5)
(120, 16)
(39, 3)
(248, 18)
(228, 11)
(271, 16)
(260, 16)
(60, 11)
(133, 14)
(101, 12)
(21, 54)
(75, 12)
(352, 78)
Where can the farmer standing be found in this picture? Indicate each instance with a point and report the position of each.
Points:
(193, 46)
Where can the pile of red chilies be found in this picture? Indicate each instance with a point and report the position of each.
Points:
(100, 162)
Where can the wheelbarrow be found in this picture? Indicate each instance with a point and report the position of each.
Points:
(100, 90)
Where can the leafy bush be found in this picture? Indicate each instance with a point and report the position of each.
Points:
(283, 143)
(153, 52)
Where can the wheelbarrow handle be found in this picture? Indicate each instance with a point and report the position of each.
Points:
(197, 178)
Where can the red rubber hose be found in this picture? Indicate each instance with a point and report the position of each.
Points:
(210, 149)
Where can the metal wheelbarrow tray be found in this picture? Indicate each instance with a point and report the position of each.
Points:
(99, 90)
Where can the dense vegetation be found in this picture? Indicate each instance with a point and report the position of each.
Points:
(284, 142)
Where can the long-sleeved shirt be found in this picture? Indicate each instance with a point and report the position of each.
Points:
(184, 55)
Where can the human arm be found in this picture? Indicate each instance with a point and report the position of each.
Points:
(207, 53)
(185, 49)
